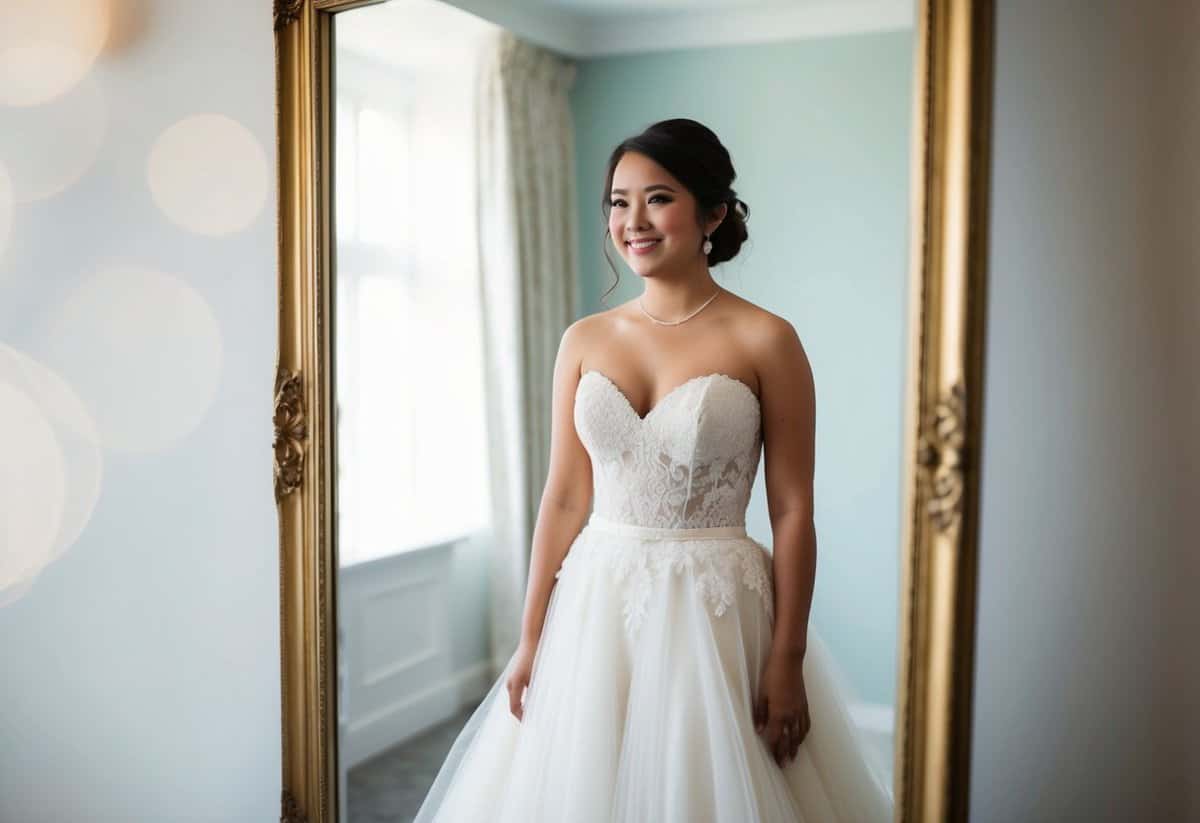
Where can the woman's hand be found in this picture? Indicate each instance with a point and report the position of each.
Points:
(781, 706)
(519, 675)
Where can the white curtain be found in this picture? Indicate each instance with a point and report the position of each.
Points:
(528, 274)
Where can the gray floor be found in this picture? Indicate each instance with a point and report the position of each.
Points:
(389, 787)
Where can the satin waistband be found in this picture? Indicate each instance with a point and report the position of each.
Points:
(596, 521)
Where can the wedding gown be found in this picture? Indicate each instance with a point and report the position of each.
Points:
(657, 630)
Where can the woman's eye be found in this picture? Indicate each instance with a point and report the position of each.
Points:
(657, 197)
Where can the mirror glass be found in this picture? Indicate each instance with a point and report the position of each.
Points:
(470, 160)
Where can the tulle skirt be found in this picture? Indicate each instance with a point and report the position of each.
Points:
(639, 704)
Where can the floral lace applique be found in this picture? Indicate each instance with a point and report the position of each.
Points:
(717, 566)
(689, 462)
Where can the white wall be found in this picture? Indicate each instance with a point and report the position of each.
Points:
(140, 672)
(1080, 681)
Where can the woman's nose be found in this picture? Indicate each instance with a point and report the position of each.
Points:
(637, 217)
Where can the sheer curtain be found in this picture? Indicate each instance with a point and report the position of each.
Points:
(528, 273)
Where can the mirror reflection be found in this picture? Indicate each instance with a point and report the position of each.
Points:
(620, 320)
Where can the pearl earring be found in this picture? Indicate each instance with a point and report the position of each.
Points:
(707, 247)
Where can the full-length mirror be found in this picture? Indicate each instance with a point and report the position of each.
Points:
(476, 218)
(627, 409)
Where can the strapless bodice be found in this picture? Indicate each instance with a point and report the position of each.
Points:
(689, 463)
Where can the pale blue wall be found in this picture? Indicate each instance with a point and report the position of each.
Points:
(819, 131)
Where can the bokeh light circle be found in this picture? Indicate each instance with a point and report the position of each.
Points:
(144, 351)
(32, 480)
(47, 46)
(47, 148)
(15, 592)
(51, 475)
(6, 208)
(208, 174)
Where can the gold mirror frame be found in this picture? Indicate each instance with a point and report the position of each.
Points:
(943, 425)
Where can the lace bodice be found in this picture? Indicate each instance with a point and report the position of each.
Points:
(689, 463)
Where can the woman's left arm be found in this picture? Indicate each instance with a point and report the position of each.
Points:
(788, 401)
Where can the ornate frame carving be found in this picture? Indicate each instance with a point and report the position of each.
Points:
(943, 426)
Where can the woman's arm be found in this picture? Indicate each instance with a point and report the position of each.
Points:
(567, 495)
(789, 433)
(788, 412)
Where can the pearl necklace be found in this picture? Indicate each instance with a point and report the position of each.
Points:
(677, 322)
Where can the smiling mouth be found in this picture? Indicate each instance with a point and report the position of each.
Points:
(642, 245)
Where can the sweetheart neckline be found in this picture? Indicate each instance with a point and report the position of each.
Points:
(667, 396)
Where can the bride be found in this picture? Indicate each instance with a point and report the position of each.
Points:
(666, 671)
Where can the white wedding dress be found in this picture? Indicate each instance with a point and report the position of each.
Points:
(658, 627)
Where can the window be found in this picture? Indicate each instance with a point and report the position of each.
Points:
(412, 441)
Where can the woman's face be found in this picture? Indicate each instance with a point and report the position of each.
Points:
(653, 217)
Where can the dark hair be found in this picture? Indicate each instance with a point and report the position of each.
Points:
(693, 154)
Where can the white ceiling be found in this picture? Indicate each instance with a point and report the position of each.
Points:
(595, 28)
(413, 34)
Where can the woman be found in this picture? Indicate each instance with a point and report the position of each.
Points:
(666, 672)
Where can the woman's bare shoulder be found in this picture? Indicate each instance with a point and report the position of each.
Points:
(613, 314)
(771, 343)
(761, 329)
(592, 330)
(606, 322)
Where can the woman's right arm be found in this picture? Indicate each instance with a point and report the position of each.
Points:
(566, 500)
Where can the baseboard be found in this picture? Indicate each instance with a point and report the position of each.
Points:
(411, 714)
(873, 718)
